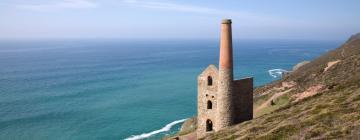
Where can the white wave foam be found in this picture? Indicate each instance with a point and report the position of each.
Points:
(275, 73)
(164, 129)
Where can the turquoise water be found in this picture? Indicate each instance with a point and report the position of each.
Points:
(115, 89)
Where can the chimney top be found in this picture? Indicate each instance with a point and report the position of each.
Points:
(226, 21)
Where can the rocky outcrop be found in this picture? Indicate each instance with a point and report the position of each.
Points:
(297, 66)
(188, 126)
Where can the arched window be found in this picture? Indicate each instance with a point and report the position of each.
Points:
(209, 105)
(210, 81)
(209, 125)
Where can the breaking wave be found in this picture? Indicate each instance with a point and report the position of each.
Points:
(147, 135)
(276, 73)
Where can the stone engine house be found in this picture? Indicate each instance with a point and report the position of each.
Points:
(223, 101)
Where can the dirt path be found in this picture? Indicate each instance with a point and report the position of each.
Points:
(275, 96)
(330, 64)
(311, 91)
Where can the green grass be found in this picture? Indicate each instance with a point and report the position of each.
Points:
(321, 116)
(279, 102)
(333, 113)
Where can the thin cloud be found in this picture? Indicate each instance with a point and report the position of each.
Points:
(63, 4)
(171, 6)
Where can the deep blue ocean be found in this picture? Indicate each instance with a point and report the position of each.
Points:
(118, 89)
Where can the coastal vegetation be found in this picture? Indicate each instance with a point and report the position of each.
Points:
(318, 100)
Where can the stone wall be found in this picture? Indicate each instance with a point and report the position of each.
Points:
(235, 100)
(207, 93)
(243, 100)
(230, 104)
(224, 114)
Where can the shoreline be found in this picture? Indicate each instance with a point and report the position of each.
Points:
(166, 128)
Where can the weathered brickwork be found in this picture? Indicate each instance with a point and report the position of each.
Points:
(223, 101)
(208, 93)
(225, 110)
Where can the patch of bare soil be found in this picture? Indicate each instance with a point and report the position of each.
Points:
(330, 64)
(267, 102)
(311, 91)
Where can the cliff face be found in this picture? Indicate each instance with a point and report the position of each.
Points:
(319, 100)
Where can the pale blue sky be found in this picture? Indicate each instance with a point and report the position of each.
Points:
(252, 19)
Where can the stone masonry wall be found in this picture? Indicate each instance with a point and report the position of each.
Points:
(224, 115)
(243, 100)
(206, 93)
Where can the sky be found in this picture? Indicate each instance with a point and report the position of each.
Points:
(175, 19)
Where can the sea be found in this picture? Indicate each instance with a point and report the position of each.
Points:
(115, 89)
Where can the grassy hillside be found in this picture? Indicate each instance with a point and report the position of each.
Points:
(320, 100)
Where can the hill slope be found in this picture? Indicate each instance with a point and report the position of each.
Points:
(320, 100)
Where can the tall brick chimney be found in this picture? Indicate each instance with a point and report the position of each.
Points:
(226, 57)
(225, 113)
